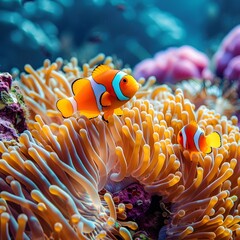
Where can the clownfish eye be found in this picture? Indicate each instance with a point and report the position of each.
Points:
(180, 134)
(125, 80)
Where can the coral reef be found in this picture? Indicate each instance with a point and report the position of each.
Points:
(189, 69)
(174, 65)
(53, 178)
(12, 109)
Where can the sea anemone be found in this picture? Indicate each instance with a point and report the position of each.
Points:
(53, 178)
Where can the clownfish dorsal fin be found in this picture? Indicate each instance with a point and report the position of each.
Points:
(194, 123)
(78, 85)
(100, 69)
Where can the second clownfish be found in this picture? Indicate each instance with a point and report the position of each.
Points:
(192, 138)
(106, 90)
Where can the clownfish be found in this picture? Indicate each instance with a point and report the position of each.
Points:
(192, 138)
(106, 90)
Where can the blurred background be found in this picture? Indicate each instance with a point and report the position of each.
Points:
(32, 31)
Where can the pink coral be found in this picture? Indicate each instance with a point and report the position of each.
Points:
(174, 65)
(229, 48)
(232, 71)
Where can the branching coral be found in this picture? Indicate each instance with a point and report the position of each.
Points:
(52, 180)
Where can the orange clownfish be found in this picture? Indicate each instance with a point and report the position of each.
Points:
(192, 138)
(106, 90)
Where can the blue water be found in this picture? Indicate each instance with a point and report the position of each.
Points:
(129, 30)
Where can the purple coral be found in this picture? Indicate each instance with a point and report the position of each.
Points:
(146, 210)
(232, 71)
(5, 82)
(228, 50)
(174, 65)
(135, 195)
(12, 109)
(7, 130)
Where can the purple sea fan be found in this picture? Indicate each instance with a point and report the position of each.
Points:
(174, 65)
(229, 48)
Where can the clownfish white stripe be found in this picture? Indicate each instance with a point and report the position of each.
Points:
(184, 138)
(196, 139)
(74, 103)
(98, 90)
(116, 86)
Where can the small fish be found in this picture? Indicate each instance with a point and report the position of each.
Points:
(192, 138)
(25, 1)
(106, 90)
(97, 36)
(46, 53)
(121, 7)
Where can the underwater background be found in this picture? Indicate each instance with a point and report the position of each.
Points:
(131, 31)
(130, 177)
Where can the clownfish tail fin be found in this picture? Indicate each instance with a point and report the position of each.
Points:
(65, 106)
(214, 140)
(208, 150)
